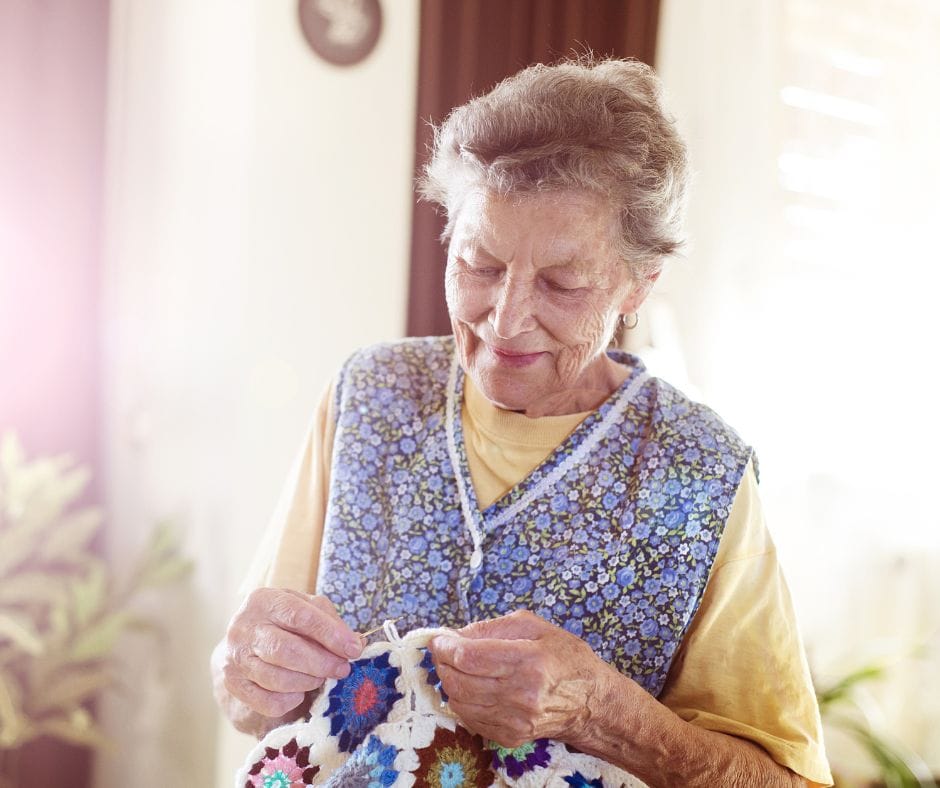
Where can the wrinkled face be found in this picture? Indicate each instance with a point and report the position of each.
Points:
(534, 289)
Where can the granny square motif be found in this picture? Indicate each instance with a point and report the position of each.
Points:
(388, 724)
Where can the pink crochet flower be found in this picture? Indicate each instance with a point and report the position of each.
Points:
(288, 767)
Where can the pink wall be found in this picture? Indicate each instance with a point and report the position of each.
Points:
(53, 61)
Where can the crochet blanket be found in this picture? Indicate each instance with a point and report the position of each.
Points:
(388, 724)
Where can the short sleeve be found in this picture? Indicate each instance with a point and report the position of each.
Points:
(741, 668)
(288, 555)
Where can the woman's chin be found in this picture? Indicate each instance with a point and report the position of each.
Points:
(508, 391)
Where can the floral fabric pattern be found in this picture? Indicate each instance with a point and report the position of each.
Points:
(285, 767)
(612, 537)
(361, 700)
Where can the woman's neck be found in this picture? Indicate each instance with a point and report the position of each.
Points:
(588, 395)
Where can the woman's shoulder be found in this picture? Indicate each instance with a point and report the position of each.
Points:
(404, 353)
(678, 409)
(677, 420)
(412, 368)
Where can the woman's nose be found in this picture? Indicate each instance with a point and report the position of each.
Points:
(512, 314)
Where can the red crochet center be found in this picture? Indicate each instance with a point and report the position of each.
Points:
(366, 696)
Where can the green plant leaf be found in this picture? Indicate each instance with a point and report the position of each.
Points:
(98, 640)
(59, 624)
(893, 766)
(89, 592)
(17, 544)
(11, 720)
(37, 493)
(77, 728)
(845, 686)
(32, 587)
(69, 688)
(167, 571)
(162, 542)
(62, 485)
(18, 628)
(68, 541)
(162, 539)
(161, 562)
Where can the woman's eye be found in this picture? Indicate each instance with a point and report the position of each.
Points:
(482, 270)
(561, 287)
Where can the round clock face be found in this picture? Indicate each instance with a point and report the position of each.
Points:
(342, 32)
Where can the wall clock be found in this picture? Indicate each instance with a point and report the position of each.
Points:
(342, 32)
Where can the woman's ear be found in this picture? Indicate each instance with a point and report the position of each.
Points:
(639, 290)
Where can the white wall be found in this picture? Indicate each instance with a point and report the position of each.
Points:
(823, 366)
(259, 207)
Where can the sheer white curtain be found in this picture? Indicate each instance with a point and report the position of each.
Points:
(802, 311)
(258, 228)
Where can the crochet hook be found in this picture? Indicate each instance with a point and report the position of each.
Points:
(376, 629)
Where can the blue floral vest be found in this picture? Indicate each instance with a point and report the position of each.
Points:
(612, 537)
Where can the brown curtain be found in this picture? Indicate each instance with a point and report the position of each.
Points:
(466, 47)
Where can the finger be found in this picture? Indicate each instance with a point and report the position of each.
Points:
(278, 679)
(492, 658)
(300, 615)
(467, 688)
(287, 650)
(262, 701)
(511, 695)
(520, 625)
(317, 600)
(329, 608)
(505, 730)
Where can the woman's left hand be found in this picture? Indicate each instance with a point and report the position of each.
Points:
(518, 678)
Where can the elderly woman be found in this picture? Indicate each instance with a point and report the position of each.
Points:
(595, 537)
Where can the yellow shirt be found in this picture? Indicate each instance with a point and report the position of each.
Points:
(741, 668)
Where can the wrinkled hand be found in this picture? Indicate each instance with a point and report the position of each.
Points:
(280, 645)
(518, 678)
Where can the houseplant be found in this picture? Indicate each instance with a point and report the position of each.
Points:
(839, 705)
(62, 608)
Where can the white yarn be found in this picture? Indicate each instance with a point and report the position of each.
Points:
(471, 515)
(391, 631)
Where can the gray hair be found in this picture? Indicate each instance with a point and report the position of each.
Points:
(584, 124)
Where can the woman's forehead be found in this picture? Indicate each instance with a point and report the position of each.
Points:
(563, 227)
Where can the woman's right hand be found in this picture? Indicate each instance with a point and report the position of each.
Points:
(280, 645)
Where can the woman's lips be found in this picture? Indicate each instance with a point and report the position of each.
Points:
(512, 358)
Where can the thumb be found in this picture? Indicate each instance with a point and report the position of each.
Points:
(520, 625)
